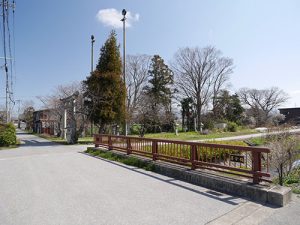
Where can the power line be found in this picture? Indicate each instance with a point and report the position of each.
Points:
(14, 42)
(10, 55)
(5, 26)
(5, 60)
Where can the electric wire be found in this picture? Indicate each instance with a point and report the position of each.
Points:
(11, 97)
(6, 37)
(4, 5)
(14, 43)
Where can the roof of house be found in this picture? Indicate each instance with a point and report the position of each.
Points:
(289, 108)
(43, 110)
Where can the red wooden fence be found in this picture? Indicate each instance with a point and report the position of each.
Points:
(250, 162)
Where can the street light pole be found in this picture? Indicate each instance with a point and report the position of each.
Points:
(92, 69)
(124, 63)
(92, 52)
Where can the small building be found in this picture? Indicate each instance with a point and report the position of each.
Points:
(44, 122)
(292, 115)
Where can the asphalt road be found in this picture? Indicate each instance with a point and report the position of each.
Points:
(43, 183)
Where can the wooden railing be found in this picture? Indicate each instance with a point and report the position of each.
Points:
(249, 162)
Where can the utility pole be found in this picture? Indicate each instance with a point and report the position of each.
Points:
(124, 66)
(5, 6)
(19, 103)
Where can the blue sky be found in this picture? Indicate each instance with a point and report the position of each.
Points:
(52, 39)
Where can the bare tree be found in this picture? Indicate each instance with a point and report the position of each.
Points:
(27, 115)
(151, 119)
(137, 67)
(200, 73)
(262, 102)
(283, 151)
(54, 103)
(26, 104)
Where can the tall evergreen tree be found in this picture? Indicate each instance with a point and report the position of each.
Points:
(187, 114)
(228, 107)
(104, 89)
(161, 79)
(159, 91)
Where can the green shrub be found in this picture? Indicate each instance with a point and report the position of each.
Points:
(293, 177)
(7, 134)
(296, 191)
(232, 127)
(135, 129)
(208, 124)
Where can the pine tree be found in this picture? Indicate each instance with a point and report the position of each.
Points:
(228, 107)
(110, 60)
(187, 114)
(160, 92)
(161, 78)
(105, 88)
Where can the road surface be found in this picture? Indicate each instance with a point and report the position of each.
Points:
(43, 183)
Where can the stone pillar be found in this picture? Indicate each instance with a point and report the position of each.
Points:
(65, 124)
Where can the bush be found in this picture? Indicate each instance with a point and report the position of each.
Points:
(208, 122)
(135, 129)
(7, 134)
(232, 127)
(283, 148)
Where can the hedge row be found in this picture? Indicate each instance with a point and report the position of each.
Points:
(7, 134)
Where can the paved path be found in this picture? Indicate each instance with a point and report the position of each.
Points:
(43, 183)
(247, 136)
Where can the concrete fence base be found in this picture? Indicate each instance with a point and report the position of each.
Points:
(274, 195)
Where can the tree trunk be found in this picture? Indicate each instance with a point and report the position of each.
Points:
(199, 109)
(280, 175)
(101, 129)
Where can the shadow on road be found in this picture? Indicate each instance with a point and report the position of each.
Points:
(23, 133)
(209, 193)
(30, 140)
(34, 143)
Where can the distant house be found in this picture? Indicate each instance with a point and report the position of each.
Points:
(44, 122)
(292, 115)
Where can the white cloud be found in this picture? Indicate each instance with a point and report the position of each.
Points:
(112, 18)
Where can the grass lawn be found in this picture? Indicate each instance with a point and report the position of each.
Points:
(184, 136)
(84, 140)
(128, 160)
(196, 136)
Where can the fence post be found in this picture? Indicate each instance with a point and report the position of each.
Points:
(128, 147)
(96, 141)
(193, 156)
(110, 147)
(154, 150)
(256, 166)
